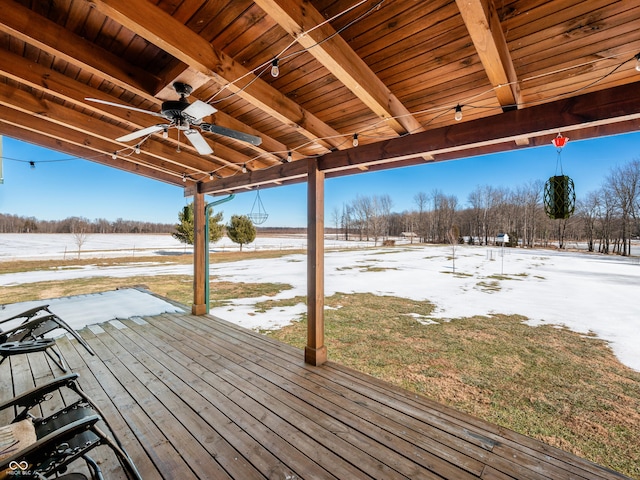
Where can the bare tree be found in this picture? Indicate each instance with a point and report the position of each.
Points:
(80, 236)
(421, 199)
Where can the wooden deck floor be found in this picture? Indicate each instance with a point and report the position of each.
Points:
(199, 398)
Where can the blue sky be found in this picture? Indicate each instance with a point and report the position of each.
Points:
(58, 187)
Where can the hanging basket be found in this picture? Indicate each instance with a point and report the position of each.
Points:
(258, 214)
(258, 218)
(559, 197)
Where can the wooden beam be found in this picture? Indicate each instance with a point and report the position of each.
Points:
(307, 25)
(159, 28)
(614, 111)
(315, 353)
(483, 24)
(199, 306)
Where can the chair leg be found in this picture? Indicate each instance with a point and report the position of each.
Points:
(58, 360)
(123, 457)
(96, 473)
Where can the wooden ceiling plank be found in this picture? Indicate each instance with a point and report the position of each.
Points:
(59, 42)
(332, 51)
(483, 23)
(157, 27)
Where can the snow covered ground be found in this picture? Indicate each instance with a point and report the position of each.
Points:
(584, 292)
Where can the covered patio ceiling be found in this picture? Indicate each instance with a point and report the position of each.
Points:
(391, 73)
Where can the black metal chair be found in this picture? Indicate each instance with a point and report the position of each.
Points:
(29, 335)
(60, 439)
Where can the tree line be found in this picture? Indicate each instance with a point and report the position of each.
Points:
(606, 219)
(18, 224)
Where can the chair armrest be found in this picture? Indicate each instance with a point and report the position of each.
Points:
(27, 314)
(33, 397)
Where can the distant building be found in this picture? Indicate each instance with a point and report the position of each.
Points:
(502, 239)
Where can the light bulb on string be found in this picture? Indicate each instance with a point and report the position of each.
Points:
(165, 133)
(244, 168)
(184, 177)
(211, 176)
(32, 164)
(458, 115)
(289, 157)
(137, 149)
(114, 155)
(637, 57)
(356, 142)
(275, 68)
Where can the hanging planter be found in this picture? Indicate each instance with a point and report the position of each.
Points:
(559, 197)
(559, 193)
(258, 214)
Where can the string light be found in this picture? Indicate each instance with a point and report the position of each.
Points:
(165, 133)
(114, 155)
(356, 142)
(32, 164)
(244, 168)
(137, 148)
(275, 68)
(210, 175)
(637, 57)
(289, 157)
(184, 178)
(458, 115)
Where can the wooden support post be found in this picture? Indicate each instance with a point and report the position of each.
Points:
(199, 306)
(315, 353)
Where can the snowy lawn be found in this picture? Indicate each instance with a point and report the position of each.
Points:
(587, 293)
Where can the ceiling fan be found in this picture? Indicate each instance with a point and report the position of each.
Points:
(184, 116)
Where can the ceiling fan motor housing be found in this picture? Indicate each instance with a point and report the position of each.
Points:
(172, 109)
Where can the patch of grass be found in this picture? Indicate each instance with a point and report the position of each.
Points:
(371, 268)
(271, 304)
(489, 287)
(503, 277)
(564, 388)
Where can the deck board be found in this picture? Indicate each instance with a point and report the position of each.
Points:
(200, 398)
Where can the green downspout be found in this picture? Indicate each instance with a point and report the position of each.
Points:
(207, 213)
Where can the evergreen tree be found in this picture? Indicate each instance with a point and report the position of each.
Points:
(241, 230)
(184, 229)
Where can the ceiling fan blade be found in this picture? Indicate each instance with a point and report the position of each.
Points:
(227, 132)
(120, 105)
(198, 141)
(141, 133)
(198, 110)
